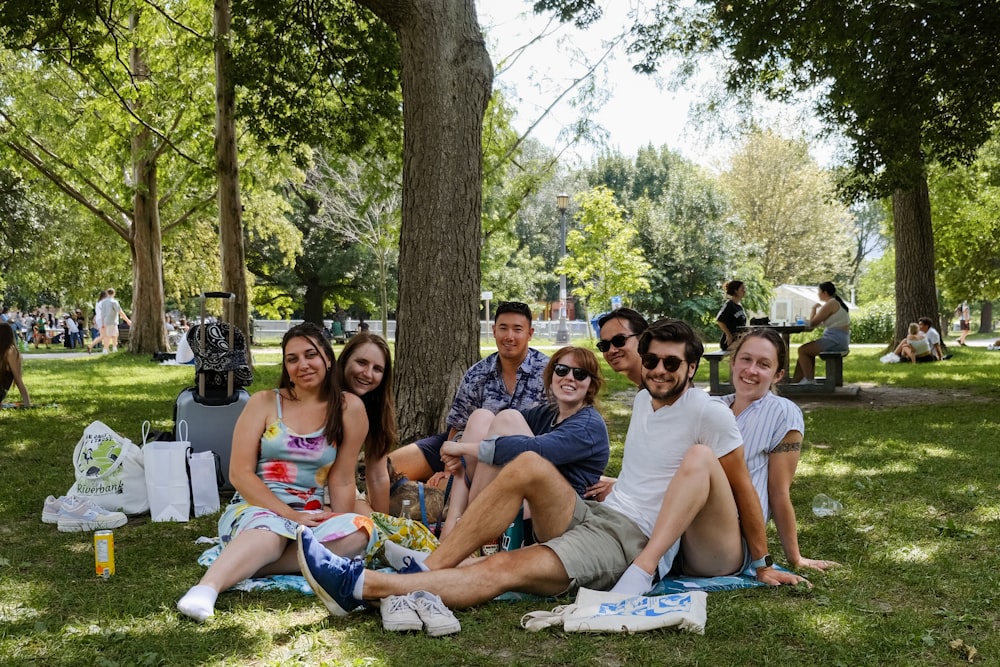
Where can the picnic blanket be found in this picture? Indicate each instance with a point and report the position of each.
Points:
(732, 582)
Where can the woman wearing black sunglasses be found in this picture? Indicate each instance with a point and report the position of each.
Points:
(568, 431)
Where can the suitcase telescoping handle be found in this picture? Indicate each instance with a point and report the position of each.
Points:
(230, 299)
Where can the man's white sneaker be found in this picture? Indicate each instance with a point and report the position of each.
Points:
(438, 619)
(399, 614)
(82, 514)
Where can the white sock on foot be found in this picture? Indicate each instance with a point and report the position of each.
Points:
(399, 556)
(359, 587)
(198, 603)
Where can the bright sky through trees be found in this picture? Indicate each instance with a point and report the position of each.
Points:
(637, 111)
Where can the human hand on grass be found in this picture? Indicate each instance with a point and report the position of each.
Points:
(773, 577)
(821, 565)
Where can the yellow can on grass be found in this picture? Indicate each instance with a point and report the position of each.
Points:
(104, 553)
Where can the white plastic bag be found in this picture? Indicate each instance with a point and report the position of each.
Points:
(166, 476)
(109, 471)
(603, 611)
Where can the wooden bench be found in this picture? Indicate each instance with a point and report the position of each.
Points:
(834, 370)
(716, 386)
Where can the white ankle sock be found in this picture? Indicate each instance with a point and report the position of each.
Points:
(396, 555)
(198, 603)
(359, 587)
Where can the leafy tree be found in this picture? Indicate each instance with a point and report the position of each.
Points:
(602, 258)
(679, 212)
(785, 209)
(908, 84)
(360, 203)
(967, 230)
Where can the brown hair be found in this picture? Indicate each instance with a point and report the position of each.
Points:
(334, 429)
(379, 402)
(587, 361)
(771, 336)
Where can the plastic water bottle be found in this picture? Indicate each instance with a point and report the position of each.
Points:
(404, 510)
(824, 505)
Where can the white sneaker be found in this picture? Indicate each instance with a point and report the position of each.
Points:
(53, 508)
(82, 514)
(399, 614)
(805, 381)
(438, 619)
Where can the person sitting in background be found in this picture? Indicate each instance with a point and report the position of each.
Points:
(831, 313)
(568, 431)
(914, 345)
(731, 316)
(10, 365)
(933, 339)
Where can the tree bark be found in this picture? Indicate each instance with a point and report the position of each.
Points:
(315, 296)
(447, 77)
(232, 251)
(916, 293)
(148, 332)
(986, 317)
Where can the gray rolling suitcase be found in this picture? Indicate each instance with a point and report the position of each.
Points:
(213, 405)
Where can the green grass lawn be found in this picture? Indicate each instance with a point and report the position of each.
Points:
(918, 538)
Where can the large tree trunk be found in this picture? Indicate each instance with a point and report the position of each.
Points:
(916, 294)
(447, 77)
(232, 249)
(986, 317)
(314, 298)
(148, 332)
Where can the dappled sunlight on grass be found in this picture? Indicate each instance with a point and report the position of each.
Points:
(913, 553)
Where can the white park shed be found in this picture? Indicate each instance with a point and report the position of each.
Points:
(792, 302)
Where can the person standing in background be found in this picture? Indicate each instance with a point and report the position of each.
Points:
(111, 311)
(731, 316)
(964, 317)
(95, 324)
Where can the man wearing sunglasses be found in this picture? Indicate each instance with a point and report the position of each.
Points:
(683, 455)
(620, 330)
(619, 343)
(510, 378)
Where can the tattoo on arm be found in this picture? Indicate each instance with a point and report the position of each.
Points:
(787, 446)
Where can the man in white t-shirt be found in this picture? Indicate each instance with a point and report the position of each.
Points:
(111, 311)
(933, 339)
(683, 455)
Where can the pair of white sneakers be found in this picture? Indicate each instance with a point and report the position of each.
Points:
(417, 610)
(73, 514)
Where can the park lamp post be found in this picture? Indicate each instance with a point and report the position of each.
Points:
(562, 334)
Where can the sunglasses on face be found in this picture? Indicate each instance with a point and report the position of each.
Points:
(670, 364)
(579, 374)
(618, 340)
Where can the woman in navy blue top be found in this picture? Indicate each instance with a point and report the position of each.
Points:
(568, 431)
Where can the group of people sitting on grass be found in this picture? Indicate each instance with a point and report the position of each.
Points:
(922, 344)
(700, 477)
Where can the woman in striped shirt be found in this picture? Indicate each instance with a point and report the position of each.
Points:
(772, 429)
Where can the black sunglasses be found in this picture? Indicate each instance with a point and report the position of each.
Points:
(650, 361)
(618, 340)
(579, 374)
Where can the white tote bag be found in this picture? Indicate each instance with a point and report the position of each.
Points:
(109, 471)
(166, 476)
(203, 468)
(603, 611)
